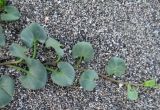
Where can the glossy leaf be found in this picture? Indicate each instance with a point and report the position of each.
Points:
(6, 90)
(10, 13)
(2, 38)
(36, 77)
(84, 50)
(150, 83)
(116, 66)
(33, 32)
(56, 45)
(18, 51)
(65, 76)
(132, 93)
(87, 79)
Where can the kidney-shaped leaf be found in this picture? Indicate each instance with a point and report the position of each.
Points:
(56, 45)
(132, 93)
(87, 79)
(18, 51)
(36, 77)
(2, 38)
(65, 76)
(10, 13)
(116, 66)
(33, 32)
(150, 83)
(84, 50)
(6, 90)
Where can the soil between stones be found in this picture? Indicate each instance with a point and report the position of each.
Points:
(129, 29)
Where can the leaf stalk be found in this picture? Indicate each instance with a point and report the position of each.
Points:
(11, 62)
(34, 53)
(19, 69)
(50, 69)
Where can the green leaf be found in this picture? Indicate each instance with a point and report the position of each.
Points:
(56, 45)
(36, 77)
(157, 86)
(2, 4)
(132, 93)
(18, 51)
(10, 13)
(150, 83)
(83, 49)
(65, 76)
(87, 79)
(6, 90)
(2, 38)
(33, 32)
(116, 66)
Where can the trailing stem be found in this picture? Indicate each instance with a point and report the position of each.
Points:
(119, 82)
(11, 64)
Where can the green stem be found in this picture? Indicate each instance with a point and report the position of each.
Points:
(11, 62)
(120, 82)
(34, 50)
(50, 69)
(19, 69)
(58, 59)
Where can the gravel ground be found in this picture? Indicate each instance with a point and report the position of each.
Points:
(129, 29)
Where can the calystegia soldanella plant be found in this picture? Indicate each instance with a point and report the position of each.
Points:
(34, 72)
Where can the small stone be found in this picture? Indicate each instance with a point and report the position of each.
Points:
(120, 85)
